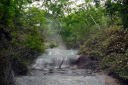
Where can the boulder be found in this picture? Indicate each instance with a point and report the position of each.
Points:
(86, 62)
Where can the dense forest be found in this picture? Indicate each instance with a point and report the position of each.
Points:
(97, 28)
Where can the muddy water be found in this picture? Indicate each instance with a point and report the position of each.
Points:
(53, 68)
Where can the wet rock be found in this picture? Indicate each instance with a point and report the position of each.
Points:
(51, 70)
(86, 62)
(110, 81)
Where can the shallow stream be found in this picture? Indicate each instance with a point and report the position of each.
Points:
(53, 68)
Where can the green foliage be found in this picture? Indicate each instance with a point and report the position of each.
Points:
(21, 33)
(56, 8)
(77, 27)
(117, 11)
(52, 45)
(28, 41)
(97, 30)
(110, 48)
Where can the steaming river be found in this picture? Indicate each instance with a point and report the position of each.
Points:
(53, 68)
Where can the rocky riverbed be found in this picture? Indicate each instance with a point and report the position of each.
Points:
(54, 68)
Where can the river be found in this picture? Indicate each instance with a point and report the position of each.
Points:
(54, 68)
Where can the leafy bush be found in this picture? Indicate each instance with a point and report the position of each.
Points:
(22, 40)
(77, 27)
(110, 48)
(28, 43)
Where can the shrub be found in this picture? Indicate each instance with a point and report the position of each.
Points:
(110, 47)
